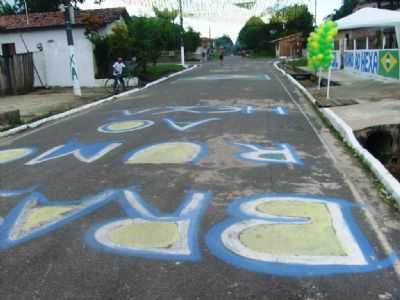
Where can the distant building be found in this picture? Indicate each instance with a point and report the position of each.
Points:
(386, 4)
(207, 43)
(44, 35)
(290, 46)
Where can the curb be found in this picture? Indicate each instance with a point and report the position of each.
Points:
(89, 105)
(345, 131)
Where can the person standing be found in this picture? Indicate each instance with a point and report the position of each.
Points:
(221, 55)
(118, 70)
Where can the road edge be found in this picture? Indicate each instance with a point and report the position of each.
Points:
(347, 134)
(73, 111)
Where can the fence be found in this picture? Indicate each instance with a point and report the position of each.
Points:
(16, 74)
(373, 62)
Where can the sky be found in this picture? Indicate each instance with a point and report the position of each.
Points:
(217, 17)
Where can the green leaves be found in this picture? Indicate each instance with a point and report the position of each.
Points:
(257, 35)
(320, 46)
(191, 40)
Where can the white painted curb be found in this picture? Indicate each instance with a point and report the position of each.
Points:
(89, 105)
(390, 183)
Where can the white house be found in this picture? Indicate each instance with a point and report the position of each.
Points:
(368, 42)
(44, 35)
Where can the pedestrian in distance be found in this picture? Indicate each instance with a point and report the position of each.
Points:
(203, 56)
(118, 70)
(221, 55)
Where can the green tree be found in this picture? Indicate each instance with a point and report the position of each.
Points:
(40, 5)
(345, 10)
(225, 42)
(295, 18)
(251, 35)
(7, 9)
(142, 37)
(165, 14)
(191, 40)
(121, 42)
(255, 21)
(257, 35)
(170, 32)
(148, 39)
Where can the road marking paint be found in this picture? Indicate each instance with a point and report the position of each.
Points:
(226, 77)
(16, 192)
(35, 216)
(87, 153)
(10, 155)
(292, 235)
(279, 153)
(125, 126)
(148, 233)
(185, 126)
(168, 153)
(369, 216)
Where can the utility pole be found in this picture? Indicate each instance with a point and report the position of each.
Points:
(68, 11)
(26, 12)
(182, 31)
(316, 13)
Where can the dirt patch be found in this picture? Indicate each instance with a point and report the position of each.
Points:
(46, 102)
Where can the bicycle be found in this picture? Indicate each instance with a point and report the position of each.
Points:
(130, 80)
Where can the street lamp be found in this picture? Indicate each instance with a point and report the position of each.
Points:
(182, 31)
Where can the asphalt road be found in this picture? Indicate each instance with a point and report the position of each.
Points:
(218, 184)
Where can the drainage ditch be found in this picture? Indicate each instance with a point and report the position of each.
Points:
(383, 142)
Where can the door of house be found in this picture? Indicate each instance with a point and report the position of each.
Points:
(8, 49)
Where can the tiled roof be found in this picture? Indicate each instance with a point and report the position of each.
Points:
(56, 19)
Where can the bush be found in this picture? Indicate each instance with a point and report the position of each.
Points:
(162, 69)
(142, 37)
(154, 72)
(302, 62)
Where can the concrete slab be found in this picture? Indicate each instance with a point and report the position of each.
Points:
(44, 102)
(377, 100)
(366, 115)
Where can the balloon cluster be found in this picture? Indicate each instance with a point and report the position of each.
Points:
(320, 46)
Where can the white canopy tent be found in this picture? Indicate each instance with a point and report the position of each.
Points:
(372, 17)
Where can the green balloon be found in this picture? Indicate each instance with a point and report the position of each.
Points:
(323, 47)
(326, 65)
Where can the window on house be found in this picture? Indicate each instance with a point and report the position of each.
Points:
(361, 43)
(8, 49)
(350, 44)
(375, 41)
(390, 39)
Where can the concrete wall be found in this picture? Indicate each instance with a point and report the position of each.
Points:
(53, 62)
(383, 63)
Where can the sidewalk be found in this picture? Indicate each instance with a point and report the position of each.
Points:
(377, 100)
(41, 103)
